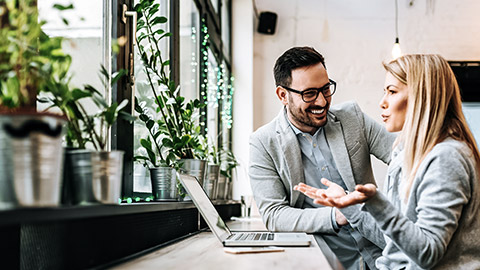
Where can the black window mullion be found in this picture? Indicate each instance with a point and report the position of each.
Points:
(122, 131)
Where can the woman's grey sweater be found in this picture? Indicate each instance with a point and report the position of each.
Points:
(439, 225)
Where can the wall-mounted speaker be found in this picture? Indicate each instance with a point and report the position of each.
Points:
(267, 23)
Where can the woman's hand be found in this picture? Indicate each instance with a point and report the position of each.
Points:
(335, 196)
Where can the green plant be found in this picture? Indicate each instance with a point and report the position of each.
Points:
(177, 134)
(84, 127)
(228, 162)
(28, 56)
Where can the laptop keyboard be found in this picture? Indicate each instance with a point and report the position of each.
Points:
(251, 236)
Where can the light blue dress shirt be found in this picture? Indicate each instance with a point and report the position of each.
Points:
(318, 163)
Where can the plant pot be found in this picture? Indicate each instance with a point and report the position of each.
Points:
(31, 157)
(107, 172)
(164, 183)
(210, 182)
(194, 167)
(228, 189)
(77, 181)
(220, 190)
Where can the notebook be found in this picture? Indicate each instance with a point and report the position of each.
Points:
(236, 239)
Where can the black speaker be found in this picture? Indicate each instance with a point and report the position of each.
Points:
(267, 23)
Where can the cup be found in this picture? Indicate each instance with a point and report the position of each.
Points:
(246, 201)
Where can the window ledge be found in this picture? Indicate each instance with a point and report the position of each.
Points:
(47, 214)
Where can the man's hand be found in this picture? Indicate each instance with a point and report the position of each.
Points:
(335, 196)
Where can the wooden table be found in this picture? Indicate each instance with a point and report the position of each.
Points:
(204, 251)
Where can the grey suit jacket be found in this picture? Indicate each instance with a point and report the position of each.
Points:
(276, 167)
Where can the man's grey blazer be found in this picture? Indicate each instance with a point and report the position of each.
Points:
(276, 167)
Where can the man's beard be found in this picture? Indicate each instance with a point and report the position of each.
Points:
(302, 116)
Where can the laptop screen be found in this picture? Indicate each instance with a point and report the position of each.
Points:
(205, 206)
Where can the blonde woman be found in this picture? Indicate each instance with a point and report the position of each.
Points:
(429, 212)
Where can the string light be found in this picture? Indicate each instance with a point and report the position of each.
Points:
(216, 84)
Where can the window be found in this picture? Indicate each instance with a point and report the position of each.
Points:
(141, 181)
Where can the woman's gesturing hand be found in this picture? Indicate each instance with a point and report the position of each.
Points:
(335, 196)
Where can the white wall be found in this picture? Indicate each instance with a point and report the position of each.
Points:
(355, 37)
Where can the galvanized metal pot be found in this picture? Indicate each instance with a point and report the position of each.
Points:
(193, 167)
(77, 180)
(220, 190)
(31, 158)
(107, 173)
(164, 183)
(211, 178)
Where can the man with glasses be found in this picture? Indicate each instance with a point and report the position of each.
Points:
(308, 141)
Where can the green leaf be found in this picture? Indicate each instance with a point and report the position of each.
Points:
(65, 21)
(62, 7)
(150, 124)
(159, 20)
(118, 75)
(78, 94)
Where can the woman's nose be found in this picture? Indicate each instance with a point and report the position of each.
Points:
(383, 102)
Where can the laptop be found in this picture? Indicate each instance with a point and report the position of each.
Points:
(236, 239)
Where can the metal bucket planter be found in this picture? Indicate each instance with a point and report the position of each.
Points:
(210, 183)
(77, 181)
(220, 190)
(107, 172)
(164, 183)
(31, 157)
(194, 167)
(228, 189)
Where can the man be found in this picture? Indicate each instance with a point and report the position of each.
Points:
(308, 141)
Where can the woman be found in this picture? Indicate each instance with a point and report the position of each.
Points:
(430, 213)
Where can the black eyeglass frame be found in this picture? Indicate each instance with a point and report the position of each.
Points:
(321, 89)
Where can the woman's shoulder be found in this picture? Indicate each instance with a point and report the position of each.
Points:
(449, 147)
(450, 154)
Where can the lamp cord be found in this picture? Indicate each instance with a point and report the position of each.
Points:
(255, 8)
(396, 20)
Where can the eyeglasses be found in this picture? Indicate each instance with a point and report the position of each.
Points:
(311, 94)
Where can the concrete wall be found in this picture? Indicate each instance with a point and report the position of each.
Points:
(355, 37)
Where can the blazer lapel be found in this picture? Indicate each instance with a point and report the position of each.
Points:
(293, 157)
(336, 142)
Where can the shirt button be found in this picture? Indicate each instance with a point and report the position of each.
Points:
(323, 168)
(314, 145)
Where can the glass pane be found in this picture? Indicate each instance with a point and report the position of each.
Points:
(472, 114)
(83, 41)
(226, 28)
(189, 50)
(226, 90)
(145, 97)
(215, 5)
(83, 37)
(213, 95)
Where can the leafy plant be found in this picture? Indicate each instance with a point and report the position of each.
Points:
(28, 56)
(177, 134)
(228, 162)
(83, 127)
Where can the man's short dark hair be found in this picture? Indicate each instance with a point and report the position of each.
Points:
(296, 57)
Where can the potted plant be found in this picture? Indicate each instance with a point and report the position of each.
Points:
(91, 175)
(178, 127)
(30, 141)
(228, 163)
(212, 171)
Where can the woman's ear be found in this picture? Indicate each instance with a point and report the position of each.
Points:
(282, 95)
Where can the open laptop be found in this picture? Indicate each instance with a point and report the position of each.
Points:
(223, 233)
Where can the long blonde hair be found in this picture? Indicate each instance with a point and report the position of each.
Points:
(434, 110)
